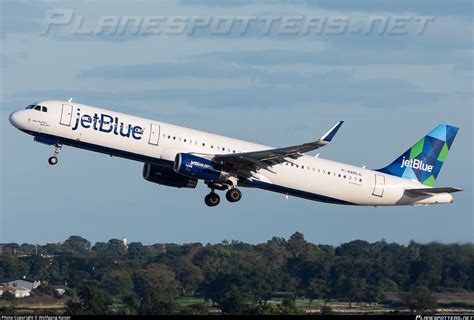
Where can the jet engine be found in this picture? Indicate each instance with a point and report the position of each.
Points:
(201, 168)
(167, 177)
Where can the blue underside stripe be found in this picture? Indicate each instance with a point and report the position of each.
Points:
(143, 158)
(293, 192)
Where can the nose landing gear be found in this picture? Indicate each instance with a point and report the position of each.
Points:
(54, 159)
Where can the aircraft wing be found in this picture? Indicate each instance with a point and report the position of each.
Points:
(264, 159)
(431, 191)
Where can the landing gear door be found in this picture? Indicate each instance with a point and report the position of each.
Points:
(379, 185)
(154, 134)
(66, 115)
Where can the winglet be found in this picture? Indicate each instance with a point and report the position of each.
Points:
(332, 132)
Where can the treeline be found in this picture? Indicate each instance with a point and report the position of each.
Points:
(238, 277)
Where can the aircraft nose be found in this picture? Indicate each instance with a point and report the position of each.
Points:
(14, 119)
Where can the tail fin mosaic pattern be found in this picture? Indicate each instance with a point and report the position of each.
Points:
(424, 160)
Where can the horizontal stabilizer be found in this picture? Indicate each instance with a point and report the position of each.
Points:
(430, 191)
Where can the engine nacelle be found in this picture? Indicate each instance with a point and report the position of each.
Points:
(200, 168)
(167, 177)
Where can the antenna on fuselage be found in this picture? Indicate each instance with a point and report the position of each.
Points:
(70, 100)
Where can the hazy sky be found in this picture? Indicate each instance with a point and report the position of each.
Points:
(272, 88)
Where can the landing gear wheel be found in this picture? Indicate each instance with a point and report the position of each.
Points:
(233, 195)
(52, 160)
(212, 199)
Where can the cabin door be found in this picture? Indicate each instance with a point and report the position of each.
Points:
(66, 115)
(154, 134)
(379, 185)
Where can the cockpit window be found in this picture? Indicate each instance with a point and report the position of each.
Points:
(44, 109)
(31, 106)
(38, 108)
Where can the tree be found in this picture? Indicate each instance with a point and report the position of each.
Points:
(352, 289)
(297, 245)
(420, 299)
(158, 289)
(137, 251)
(236, 303)
(92, 300)
(77, 244)
(117, 282)
(189, 275)
(158, 302)
(317, 289)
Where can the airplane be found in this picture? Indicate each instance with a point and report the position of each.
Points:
(176, 156)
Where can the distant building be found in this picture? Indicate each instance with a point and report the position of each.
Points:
(60, 290)
(20, 283)
(17, 292)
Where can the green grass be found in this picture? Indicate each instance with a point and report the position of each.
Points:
(187, 301)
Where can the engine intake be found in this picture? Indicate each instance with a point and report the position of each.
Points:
(167, 177)
(200, 168)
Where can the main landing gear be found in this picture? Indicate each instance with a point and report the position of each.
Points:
(54, 159)
(233, 195)
(213, 199)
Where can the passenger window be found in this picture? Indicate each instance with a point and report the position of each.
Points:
(44, 109)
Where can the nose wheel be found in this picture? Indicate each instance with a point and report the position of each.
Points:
(54, 159)
(212, 199)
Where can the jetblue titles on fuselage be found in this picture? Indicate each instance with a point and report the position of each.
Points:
(108, 124)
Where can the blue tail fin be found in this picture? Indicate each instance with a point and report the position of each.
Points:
(424, 160)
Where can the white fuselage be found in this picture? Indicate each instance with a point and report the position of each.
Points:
(154, 141)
